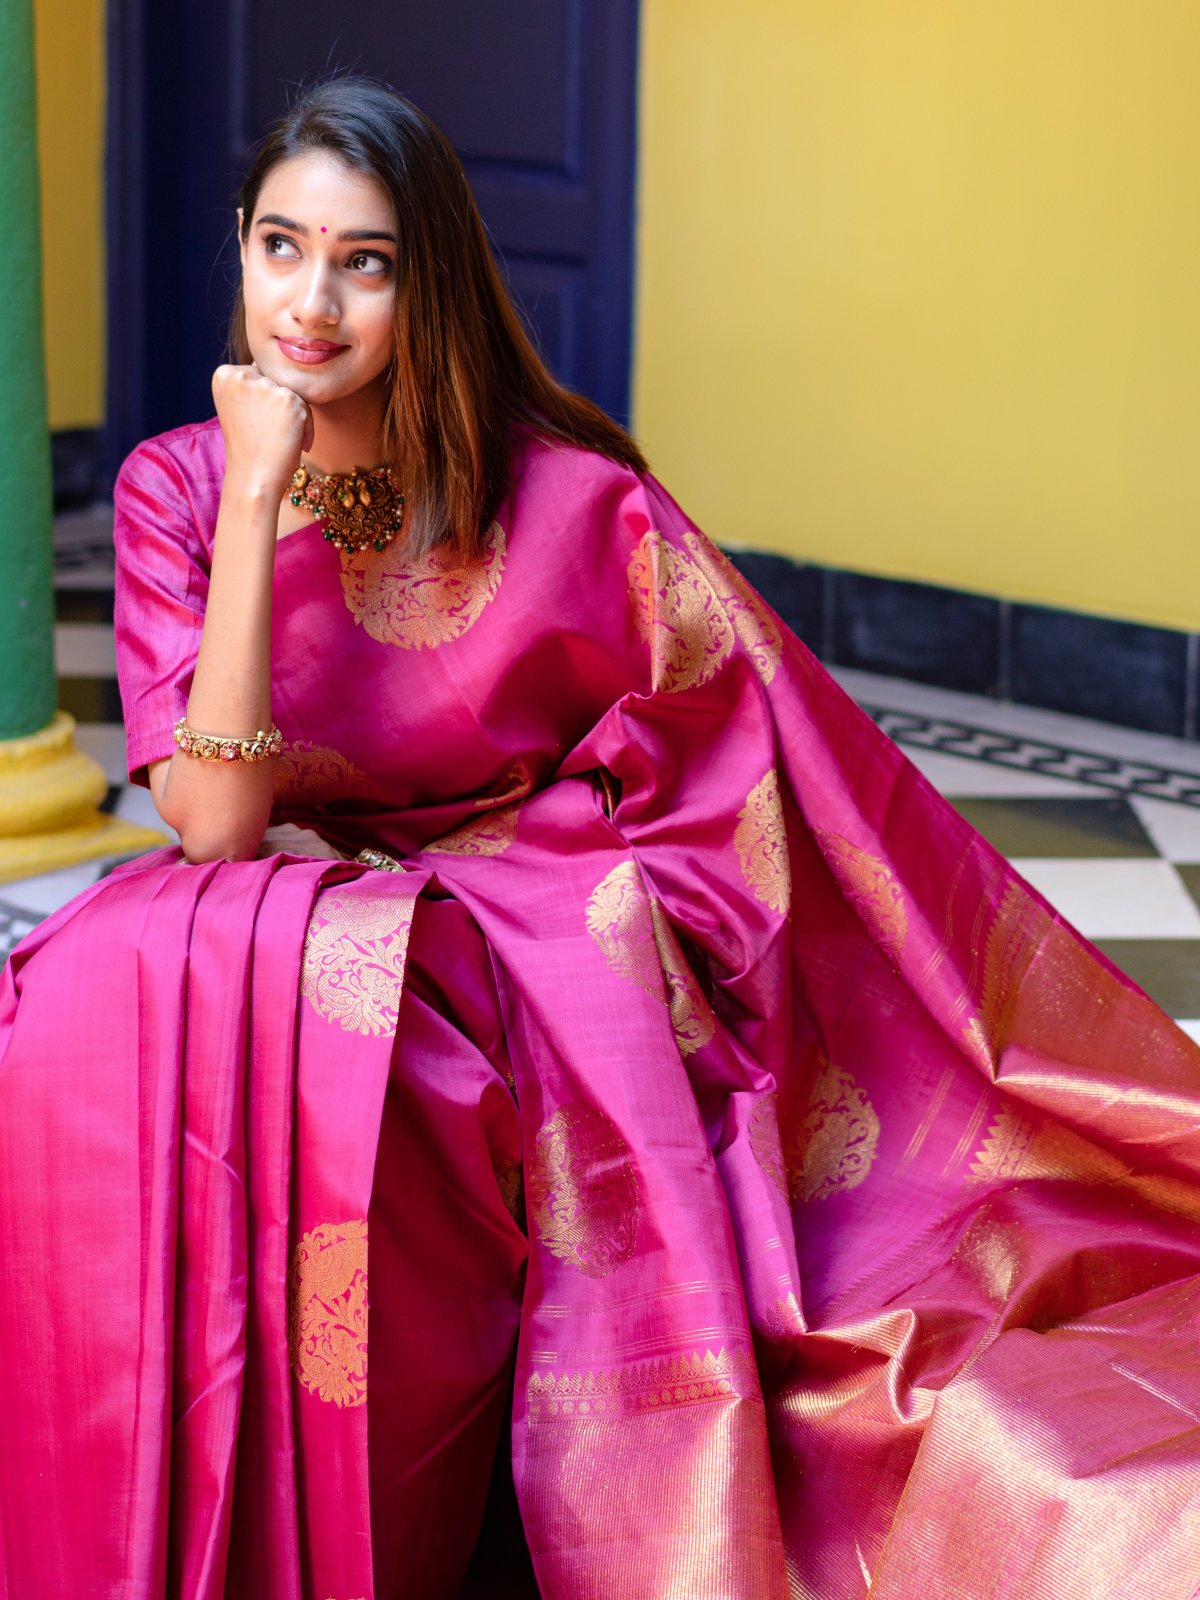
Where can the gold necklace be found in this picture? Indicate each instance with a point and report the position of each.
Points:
(360, 508)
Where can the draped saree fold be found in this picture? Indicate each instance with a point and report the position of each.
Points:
(704, 1086)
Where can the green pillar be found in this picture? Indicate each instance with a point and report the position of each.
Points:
(49, 791)
(27, 682)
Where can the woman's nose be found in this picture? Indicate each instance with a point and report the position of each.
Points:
(315, 300)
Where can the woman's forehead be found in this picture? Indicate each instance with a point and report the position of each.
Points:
(318, 181)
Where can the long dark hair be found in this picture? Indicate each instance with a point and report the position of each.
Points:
(465, 369)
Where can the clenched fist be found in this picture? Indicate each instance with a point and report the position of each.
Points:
(265, 426)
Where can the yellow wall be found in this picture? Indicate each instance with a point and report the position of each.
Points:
(69, 43)
(919, 289)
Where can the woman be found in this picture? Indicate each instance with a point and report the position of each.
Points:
(822, 1203)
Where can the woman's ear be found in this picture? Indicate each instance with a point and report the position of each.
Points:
(241, 240)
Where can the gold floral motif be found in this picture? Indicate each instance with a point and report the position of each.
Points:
(352, 971)
(870, 888)
(682, 1380)
(516, 785)
(488, 834)
(619, 920)
(419, 605)
(766, 1142)
(327, 1312)
(583, 1191)
(632, 930)
(752, 622)
(691, 1014)
(317, 773)
(761, 843)
(678, 614)
(832, 1148)
(511, 1182)
(839, 1137)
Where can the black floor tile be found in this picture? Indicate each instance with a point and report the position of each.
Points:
(1107, 826)
(1167, 969)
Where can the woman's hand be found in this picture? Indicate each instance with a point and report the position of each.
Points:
(265, 426)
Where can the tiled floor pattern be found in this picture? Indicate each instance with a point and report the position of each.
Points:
(1104, 821)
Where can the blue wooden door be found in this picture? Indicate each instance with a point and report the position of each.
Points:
(538, 96)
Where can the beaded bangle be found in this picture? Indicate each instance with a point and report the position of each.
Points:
(214, 747)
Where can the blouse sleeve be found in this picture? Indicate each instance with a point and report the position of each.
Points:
(161, 589)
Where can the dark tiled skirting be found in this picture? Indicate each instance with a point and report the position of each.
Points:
(1122, 672)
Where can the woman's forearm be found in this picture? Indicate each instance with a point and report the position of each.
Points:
(221, 809)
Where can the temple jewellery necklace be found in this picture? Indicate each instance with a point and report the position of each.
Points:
(361, 509)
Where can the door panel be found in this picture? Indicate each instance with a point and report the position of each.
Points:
(538, 96)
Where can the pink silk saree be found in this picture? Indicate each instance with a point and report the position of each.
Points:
(704, 1087)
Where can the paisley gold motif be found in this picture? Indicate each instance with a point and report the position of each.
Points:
(752, 622)
(419, 605)
(678, 614)
(870, 888)
(583, 1191)
(352, 971)
(682, 1380)
(317, 773)
(489, 834)
(761, 843)
(831, 1149)
(327, 1312)
(632, 930)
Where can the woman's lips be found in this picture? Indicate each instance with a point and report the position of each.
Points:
(309, 355)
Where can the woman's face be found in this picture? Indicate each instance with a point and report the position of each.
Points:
(302, 282)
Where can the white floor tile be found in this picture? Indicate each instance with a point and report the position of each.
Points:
(1116, 899)
(1174, 829)
(957, 777)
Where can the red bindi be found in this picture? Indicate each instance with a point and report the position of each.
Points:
(322, 230)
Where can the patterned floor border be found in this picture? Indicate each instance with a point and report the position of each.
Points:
(1117, 775)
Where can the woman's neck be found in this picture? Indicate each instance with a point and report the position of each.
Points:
(349, 432)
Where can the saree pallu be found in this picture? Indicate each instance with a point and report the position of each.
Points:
(703, 1087)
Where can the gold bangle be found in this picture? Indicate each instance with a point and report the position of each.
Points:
(216, 747)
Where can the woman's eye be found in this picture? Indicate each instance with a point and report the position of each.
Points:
(273, 238)
(382, 262)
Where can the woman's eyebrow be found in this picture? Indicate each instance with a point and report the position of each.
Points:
(357, 234)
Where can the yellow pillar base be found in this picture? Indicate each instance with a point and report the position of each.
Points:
(49, 794)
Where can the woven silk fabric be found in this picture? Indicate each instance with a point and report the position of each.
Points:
(823, 1203)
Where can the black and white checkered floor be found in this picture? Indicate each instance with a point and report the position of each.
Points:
(1104, 821)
